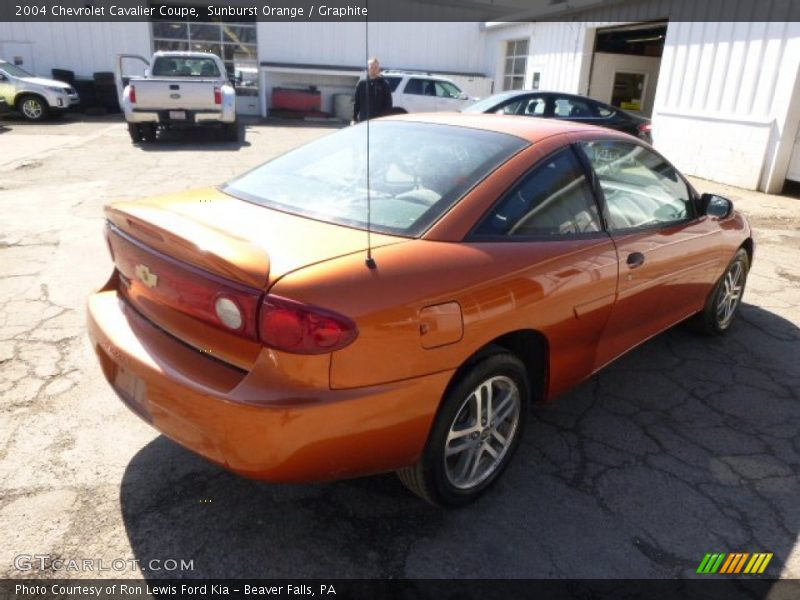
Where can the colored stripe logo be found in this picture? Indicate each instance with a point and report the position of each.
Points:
(734, 563)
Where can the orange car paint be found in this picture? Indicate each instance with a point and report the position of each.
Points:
(430, 304)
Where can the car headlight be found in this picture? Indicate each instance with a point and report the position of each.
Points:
(57, 90)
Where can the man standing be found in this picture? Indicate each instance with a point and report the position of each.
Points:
(373, 95)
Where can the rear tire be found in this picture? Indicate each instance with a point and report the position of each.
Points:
(135, 133)
(33, 108)
(232, 132)
(148, 132)
(475, 434)
(723, 303)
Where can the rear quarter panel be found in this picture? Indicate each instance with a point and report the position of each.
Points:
(565, 290)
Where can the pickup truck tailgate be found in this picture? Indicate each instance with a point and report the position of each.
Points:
(176, 94)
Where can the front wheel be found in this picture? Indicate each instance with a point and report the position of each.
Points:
(723, 303)
(475, 433)
(33, 108)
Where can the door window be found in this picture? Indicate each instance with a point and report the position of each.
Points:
(640, 188)
(392, 81)
(445, 89)
(534, 107)
(420, 87)
(555, 199)
(571, 108)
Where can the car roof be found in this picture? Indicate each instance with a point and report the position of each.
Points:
(390, 73)
(184, 54)
(531, 130)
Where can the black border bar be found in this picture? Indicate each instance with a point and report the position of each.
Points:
(711, 588)
(333, 11)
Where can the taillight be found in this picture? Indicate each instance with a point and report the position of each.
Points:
(155, 277)
(217, 95)
(132, 95)
(302, 329)
(645, 128)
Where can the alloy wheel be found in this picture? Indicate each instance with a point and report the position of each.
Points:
(730, 294)
(482, 432)
(32, 109)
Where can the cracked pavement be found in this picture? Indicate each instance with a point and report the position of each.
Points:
(686, 445)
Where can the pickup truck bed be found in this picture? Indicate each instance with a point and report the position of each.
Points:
(185, 89)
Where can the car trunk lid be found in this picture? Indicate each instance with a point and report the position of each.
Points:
(177, 254)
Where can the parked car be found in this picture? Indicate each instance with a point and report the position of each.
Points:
(568, 107)
(35, 97)
(420, 92)
(179, 90)
(259, 325)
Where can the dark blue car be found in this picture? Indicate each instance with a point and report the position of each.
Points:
(569, 107)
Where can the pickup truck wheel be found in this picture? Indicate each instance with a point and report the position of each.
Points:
(230, 132)
(33, 108)
(148, 132)
(135, 133)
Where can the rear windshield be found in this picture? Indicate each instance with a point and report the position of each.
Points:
(167, 66)
(488, 103)
(417, 171)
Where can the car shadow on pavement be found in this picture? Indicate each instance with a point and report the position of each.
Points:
(685, 446)
(192, 140)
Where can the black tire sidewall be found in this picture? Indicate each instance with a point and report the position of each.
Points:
(433, 458)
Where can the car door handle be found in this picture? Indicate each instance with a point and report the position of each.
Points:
(635, 259)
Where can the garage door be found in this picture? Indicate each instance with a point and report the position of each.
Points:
(794, 163)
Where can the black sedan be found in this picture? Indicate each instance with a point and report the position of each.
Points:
(570, 107)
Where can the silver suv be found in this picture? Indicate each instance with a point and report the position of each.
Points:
(35, 97)
(421, 92)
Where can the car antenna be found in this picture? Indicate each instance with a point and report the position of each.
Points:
(370, 262)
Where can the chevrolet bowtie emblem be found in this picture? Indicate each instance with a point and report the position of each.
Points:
(147, 277)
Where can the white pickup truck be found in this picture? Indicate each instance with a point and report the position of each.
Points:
(178, 90)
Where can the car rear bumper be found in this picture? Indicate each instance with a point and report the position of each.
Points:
(192, 117)
(294, 434)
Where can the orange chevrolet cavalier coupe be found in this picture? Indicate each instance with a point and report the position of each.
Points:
(351, 308)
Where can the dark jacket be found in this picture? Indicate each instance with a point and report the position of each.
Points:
(380, 99)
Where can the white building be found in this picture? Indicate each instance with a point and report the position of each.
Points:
(723, 96)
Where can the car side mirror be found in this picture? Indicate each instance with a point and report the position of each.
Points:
(715, 206)
(147, 72)
(463, 96)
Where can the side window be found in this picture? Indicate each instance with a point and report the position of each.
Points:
(445, 89)
(555, 199)
(535, 107)
(640, 187)
(570, 108)
(393, 82)
(420, 87)
(512, 108)
(603, 110)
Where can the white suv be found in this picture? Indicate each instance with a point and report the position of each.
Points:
(420, 92)
(34, 97)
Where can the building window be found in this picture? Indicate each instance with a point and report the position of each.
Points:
(515, 65)
(234, 43)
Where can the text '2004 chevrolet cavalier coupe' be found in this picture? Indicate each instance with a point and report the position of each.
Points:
(508, 260)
